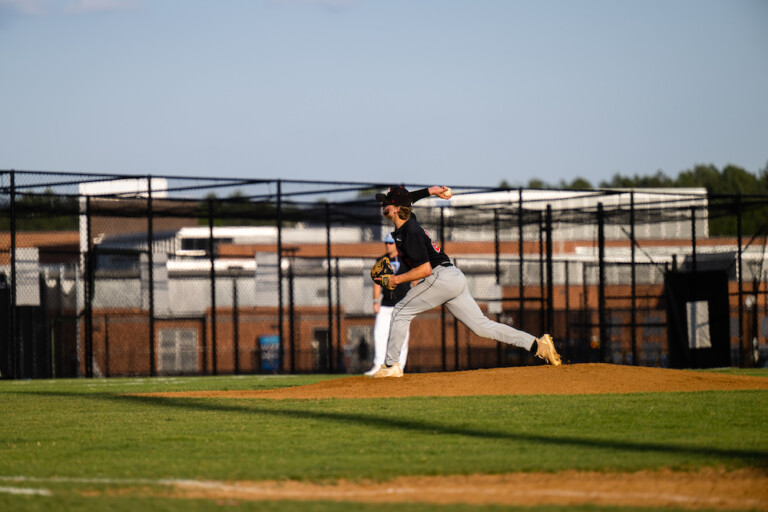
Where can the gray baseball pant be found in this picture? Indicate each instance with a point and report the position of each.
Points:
(448, 285)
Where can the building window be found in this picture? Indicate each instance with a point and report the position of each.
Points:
(177, 351)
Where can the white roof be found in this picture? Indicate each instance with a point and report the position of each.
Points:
(538, 199)
(128, 187)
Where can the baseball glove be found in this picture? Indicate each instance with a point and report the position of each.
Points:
(381, 272)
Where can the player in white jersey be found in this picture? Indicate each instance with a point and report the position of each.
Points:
(384, 301)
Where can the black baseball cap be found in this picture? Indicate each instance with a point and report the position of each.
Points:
(397, 196)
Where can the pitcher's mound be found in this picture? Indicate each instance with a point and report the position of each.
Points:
(590, 378)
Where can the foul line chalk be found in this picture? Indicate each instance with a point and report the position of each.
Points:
(26, 491)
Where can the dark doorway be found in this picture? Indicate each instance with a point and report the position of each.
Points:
(698, 316)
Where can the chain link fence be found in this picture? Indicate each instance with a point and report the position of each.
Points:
(105, 275)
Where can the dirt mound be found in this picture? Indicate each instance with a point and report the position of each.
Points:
(591, 378)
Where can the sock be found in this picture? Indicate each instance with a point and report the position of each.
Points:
(534, 347)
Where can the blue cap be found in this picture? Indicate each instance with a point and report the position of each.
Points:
(389, 239)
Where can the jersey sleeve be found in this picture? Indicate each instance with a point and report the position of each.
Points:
(417, 195)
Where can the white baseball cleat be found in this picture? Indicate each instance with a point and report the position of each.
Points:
(546, 350)
(388, 371)
(370, 372)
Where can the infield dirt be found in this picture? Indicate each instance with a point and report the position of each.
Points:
(745, 489)
(576, 379)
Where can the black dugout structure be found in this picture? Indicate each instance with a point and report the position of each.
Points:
(698, 319)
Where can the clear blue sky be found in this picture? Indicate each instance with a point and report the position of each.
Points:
(458, 92)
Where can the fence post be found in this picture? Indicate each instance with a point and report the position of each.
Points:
(633, 272)
(542, 288)
(335, 351)
(281, 346)
(496, 245)
(236, 324)
(443, 346)
(567, 330)
(693, 240)
(550, 274)
(291, 314)
(521, 257)
(89, 284)
(328, 256)
(212, 274)
(742, 351)
(753, 339)
(497, 249)
(151, 273)
(107, 372)
(13, 362)
(585, 306)
(456, 359)
(601, 282)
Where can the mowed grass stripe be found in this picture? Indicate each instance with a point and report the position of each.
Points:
(77, 431)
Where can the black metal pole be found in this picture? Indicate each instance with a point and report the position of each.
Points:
(456, 338)
(236, 324)
(89, 283)
(585, 306)
(550, 274)
(205, 344)
(751, 343)
(693, 240)
(633, 272)
(442, 228)
(521, 256)
(496, 240)
(291, 316)
(334, 348)
(469, 350)
(151, 290)
(496, 246)
(212, 278)
(567, 327)
(329, 256)
(443, 341)
(601, 283)
(107, 371)
(742, 351)
(281, 346)
(542, 287)
(13, 352)
(443, 333)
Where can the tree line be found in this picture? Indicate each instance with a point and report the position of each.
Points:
(49, 211)
(731, 181)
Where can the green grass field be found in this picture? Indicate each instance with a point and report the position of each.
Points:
(62, 439)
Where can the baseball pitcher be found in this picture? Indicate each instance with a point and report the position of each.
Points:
(440, 283)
